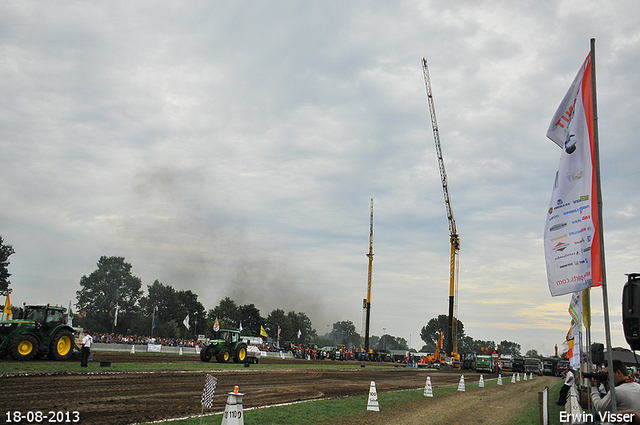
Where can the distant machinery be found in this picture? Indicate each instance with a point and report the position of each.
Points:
(452, 340)
(367, 301)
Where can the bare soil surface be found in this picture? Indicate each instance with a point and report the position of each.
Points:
(103, 396)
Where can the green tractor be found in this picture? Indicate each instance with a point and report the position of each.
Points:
(37, 331)
(225, 345)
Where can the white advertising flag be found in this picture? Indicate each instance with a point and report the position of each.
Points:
(185, 322)
(571, 241)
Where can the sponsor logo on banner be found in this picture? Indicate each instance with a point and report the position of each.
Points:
(557, 227)
(561, 246)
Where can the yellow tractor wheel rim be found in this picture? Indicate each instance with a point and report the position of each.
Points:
(226, 355)
(25, 348)
(64, 345)
(242, 354)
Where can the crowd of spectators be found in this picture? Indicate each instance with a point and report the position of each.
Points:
(109, 338)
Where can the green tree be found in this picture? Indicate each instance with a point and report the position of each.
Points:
(508, 347)
(109, 285)
(277, 319)
(534, 354)
(431, 332)
(228, 314)
(190, 305)
(300, 322)
(251, 320)
(389, 342)
(344, 332)
(164, 300)
(5, 252)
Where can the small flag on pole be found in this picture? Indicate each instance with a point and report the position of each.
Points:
(299, 333)
(263, 332)
(153, 317)
(70, 315)
(216, 326)
(240, 327)
(185, 322)
(115, 319)
(7, 307)
(209, 391)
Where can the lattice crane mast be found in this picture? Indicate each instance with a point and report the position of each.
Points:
(452, 341)
(367, 302)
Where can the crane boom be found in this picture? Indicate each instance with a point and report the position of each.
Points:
(368, 300)
(452, 343)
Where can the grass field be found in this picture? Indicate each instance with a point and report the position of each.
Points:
(352, 410)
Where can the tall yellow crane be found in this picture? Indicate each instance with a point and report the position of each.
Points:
(452, 340)
(367, 302)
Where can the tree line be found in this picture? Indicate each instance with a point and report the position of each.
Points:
(111, 300)
(431, 333)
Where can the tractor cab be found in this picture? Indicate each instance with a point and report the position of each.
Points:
(226, 335)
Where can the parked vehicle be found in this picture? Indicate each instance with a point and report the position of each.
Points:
(507, 362)
(533, 365)
(484, 363)
(518, 365)
(550, 366)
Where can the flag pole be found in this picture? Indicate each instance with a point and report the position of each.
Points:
(605, 297)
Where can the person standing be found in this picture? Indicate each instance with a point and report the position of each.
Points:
(87, 341)
(568, 383)
(627, 391)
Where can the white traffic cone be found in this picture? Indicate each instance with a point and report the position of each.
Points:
(481, 382)
(513, 379)
(372, 404)
(524, 377)
(518, 377)
(461, 383)
(133, 349)
(233, 414)
(428, 390)
(180, 350)
(499, 379)
(530, 375)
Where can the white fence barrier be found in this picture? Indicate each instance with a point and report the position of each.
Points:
(156, 348)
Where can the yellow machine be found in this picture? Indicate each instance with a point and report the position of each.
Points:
(367, 302)
(452, 341)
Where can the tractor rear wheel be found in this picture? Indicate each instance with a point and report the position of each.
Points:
(224, 355)
(23, 347)
(241, 353)
(205, 355)
(61, 346)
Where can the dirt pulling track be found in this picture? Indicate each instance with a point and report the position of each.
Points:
(103, 396)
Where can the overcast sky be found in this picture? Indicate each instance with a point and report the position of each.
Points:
(232, 148)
